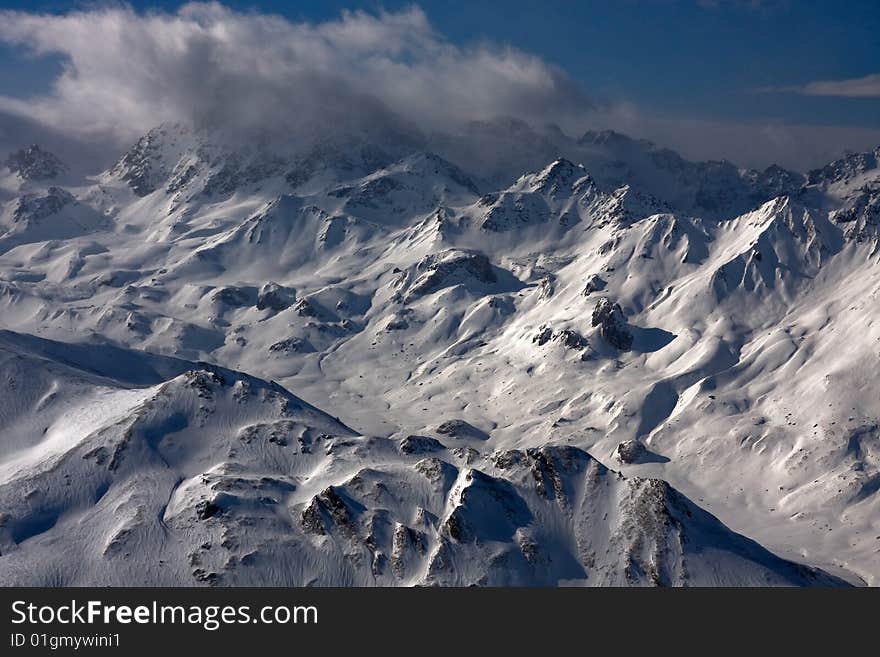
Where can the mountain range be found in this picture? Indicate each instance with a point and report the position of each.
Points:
(500, 357)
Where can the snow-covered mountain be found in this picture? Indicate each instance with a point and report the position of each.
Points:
(120, 466)
(494, 345)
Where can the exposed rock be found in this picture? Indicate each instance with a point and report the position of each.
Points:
(203, 381)
(232, 296)
(275, 297)
(543, 336)
(630, 451)
(293, 345)
(142, 166)
(568, 338)
(435, 470)
(508, 458)
(571, 339)
(33, 163)
(609, 317)
(467, 454)
(419, 445)
(595, 283)
(860, 217)
(451, 267)
(304, 308)
(207, 509)
(461, 429)
(34, 208)
(397, 323)
(514, 210)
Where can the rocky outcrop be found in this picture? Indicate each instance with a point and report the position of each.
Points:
(450, 267)
(292, 345)
(420, 445)
(630, 451)
(275, 297)
(613, 327)
(568, 338)
(34, 208)
(33, 163)
(461, 429)
(595, 283)
(860, 217)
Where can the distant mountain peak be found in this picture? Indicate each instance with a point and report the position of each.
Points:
(34, 163)
(612, 138)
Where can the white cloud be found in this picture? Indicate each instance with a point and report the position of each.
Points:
(866, 87)
(127, 71)
(798, 146)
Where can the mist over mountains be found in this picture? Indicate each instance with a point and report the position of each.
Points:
(483, 348)
(356, 306)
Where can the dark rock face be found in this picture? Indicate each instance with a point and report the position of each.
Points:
(275, 297)
(291, 346)
(207, 509)
(543, 336)
(141, 166)
(304, 308)
(232, 296)
(566, 337)
(325, 510)
(397, 324)
(630, 451)
(35, 208)
(235, 173)
(516, 210)
(33, 163)
(860, 217)
(559, 177)
(595, 283)
(572, 339)
(451, 267)
(461, 429)
(845, 168)
(420, 445)
(613, 326)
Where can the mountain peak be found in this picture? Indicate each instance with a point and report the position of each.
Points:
(612, 138)
(34, 163)
(559, 174)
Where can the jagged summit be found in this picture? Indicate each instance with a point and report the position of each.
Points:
(34, 163)
(614, 139)
(203, 475)
(852, 168)
(484, 340)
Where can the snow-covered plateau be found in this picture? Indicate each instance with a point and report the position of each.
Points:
(576, 362)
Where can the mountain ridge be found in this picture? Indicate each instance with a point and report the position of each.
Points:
(692, 323)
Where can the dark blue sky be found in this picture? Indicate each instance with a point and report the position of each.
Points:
(678, 58)
(756, 81)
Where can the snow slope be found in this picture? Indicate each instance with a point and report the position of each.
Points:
(614, 306)
(210, 476)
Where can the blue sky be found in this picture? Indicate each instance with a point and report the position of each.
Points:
(686, 57)
(704, 59)
(738, 61)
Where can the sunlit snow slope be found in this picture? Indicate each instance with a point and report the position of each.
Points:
(495, 345)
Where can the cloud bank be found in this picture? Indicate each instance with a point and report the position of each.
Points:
(375, 75)
(206, 64)
(866, 87)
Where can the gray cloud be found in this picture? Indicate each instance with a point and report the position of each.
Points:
(369, 74)
(864, 87)
(753, 144)
(127, 71)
